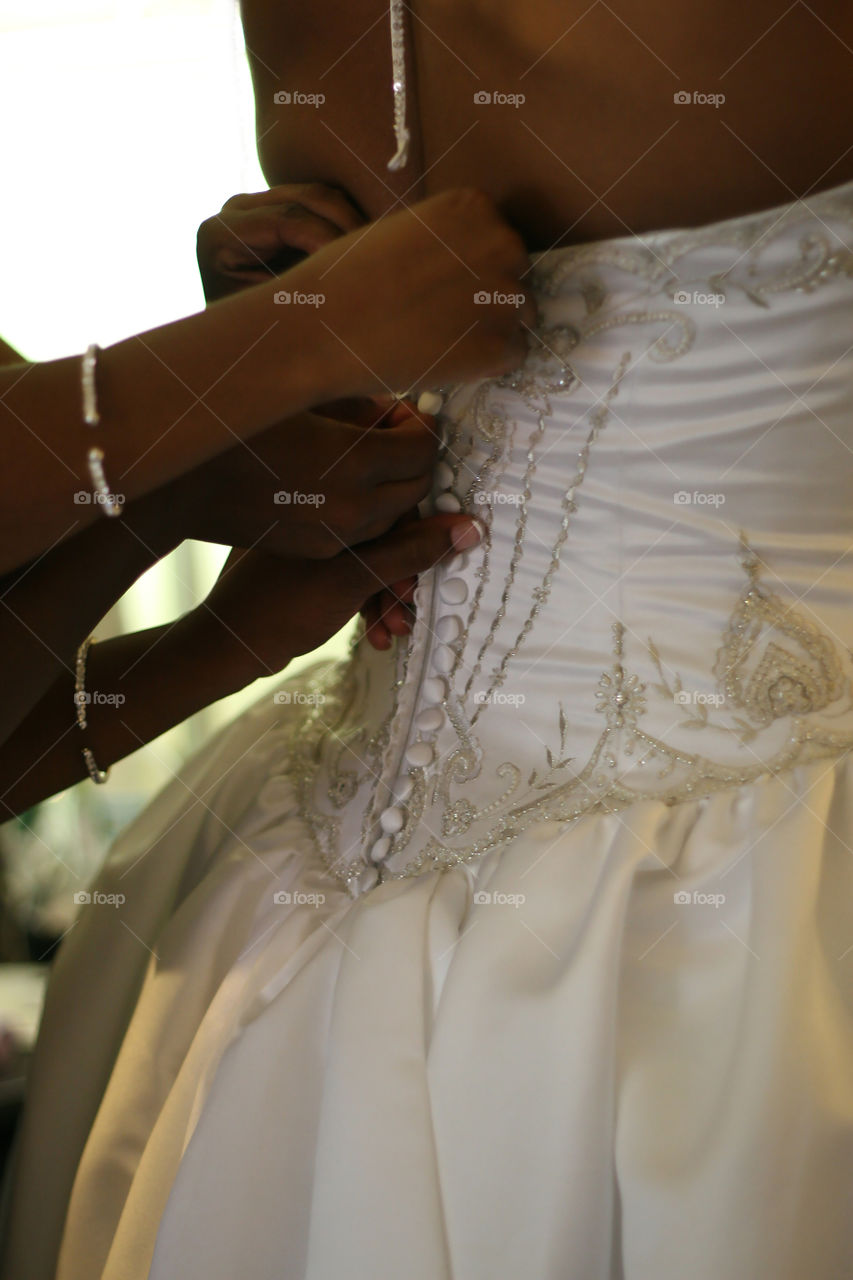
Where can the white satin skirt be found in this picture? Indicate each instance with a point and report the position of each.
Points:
(429, 1081)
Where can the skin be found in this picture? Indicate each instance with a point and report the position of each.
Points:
(176, 397)
(599, 148)
(246, 628)
(186, 392)
(370, 460)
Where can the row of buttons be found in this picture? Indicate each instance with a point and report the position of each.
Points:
(420, 754)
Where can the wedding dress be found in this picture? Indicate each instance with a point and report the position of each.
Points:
(525, 950)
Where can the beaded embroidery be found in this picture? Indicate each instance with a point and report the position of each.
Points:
(773, 664)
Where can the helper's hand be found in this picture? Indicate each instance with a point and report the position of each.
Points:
(311, 485)
(424, 297)
(267, 232)
(264, 610)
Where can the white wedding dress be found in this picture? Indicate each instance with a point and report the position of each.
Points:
(525, 951)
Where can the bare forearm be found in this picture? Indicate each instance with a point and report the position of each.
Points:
(139, 685)
(169, 400)
(48, 608)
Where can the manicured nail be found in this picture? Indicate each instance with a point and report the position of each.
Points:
(467, 535)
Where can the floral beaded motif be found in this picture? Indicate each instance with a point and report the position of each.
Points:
(793, 678)
(409, 772)
(782, 685)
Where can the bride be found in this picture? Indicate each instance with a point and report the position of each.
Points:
(525, 947)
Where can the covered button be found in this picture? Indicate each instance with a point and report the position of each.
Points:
(391, 820)
(381, 849)
(420, 754)
(454, 591)
(430, 402)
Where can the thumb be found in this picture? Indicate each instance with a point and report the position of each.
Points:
(413, 548)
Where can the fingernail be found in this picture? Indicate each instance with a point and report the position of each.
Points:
(467, 535)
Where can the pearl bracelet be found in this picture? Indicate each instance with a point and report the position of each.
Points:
(112, 505)
(81, 699)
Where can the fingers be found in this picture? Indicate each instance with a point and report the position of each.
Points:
(404, 454)
(301, 229)
(386, 615)
(374, 411)
(267, 231)
(414, 548)
(375, 630)
(405, 451)
(305, 217)
(328, 203)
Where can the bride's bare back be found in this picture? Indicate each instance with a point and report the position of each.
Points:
(599, 146)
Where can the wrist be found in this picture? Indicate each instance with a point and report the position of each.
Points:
(317, 340)
(160, 521)
(220, 662)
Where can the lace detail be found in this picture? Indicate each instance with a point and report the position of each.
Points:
(781, 685)
(775, 679)
(417, 786)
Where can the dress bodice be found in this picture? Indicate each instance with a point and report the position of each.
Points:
(661, 604)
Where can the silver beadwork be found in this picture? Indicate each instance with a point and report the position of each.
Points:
(81, 701)
(773, 664)
(398, 70)
(111, 505)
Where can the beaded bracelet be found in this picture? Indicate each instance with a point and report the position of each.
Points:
(112, 505)
(81, 698)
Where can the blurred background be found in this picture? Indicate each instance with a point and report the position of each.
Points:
(127, 122)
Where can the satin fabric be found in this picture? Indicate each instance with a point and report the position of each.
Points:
(536, 1062)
